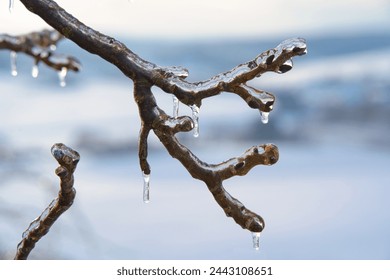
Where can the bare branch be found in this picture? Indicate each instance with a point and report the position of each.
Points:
(41, 46)
(145, 75)
(68, 159)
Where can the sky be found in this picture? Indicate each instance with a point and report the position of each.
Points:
(218, 18)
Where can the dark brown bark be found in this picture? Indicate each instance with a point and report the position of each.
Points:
(39, 45)
(68, 159)
(145, 75)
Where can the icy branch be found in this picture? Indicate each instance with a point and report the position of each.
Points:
(145, 75)
(68, 159)
(41, 46)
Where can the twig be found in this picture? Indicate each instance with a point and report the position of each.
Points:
(145, 75)
(68, 159)
(41, 46)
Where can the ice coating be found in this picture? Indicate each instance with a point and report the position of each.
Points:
(264, 97)
(14, 70)
(65, 61)
(62, 76)
(146, 190)
(195, 118)
(283, 53)
(175, 106)
(177, 71)
(296, 45)
(36, 223)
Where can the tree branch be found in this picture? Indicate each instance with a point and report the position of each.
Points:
(68, 159)
(40, 46)
(145, 75)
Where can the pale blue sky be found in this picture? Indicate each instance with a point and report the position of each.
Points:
(205, 18)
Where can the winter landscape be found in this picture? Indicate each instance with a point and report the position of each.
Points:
(326, 198)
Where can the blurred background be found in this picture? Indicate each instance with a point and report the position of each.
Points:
(326, 198)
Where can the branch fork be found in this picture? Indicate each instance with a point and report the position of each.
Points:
(173, 81)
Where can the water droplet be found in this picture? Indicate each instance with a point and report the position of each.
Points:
(175, 107)
(62, 76)
(14, 70)
(53, 47)
(195, 118)
(146, 192)
(35, 70)
(256, 240)
(11, 5)
(264, 117)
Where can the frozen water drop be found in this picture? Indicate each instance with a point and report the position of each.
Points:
(256, 240)
(35, 71)
(11, 5)
(264, 117)
(146, 192)
(14, 70)
(195, 118)
(62, 76)
(53, 47)
(175, 107)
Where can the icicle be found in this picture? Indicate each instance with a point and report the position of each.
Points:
(146, 192)
(11, 5)
(256, 240)
(195, 118)
(62, 76)
(35, 70)
(264, 117)
(175, 107)
(14, 70)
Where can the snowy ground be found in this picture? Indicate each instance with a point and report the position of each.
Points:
(326, 198)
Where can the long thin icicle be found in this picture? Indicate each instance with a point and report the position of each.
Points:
(175, 106)
(62, 76)
(256, 240)
(14, 70)
(195, 118)
(146, 191)
(264, 117)
(11, 5)
(35, 70)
